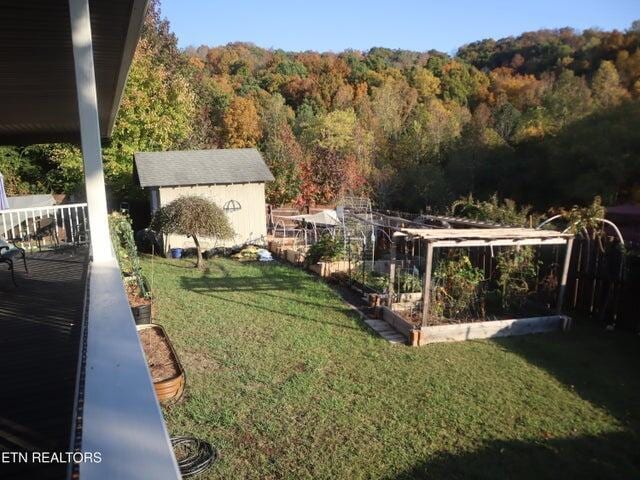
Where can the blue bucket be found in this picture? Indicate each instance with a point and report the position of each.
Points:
(176, 253)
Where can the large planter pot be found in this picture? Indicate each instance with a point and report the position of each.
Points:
(168, 388)
(141, 314)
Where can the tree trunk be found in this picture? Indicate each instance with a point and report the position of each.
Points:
(199, 263)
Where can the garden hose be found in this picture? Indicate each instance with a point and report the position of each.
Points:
(199, 456)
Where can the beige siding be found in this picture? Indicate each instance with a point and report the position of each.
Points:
(249, 223)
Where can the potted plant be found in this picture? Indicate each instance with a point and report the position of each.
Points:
(127, 254)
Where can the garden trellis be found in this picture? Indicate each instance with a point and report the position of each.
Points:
(490, 237)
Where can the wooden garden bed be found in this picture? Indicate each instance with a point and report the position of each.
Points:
(410, 297)
(325, 269)
(454, 332)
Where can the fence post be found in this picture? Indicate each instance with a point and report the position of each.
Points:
(565, 273)
(392, 272)
(426, 291)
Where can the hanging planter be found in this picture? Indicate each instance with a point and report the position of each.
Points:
(166, 370)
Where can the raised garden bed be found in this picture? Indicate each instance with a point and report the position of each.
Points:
(294, 256)
(166, 370)
(326, 269)
(417, 335)
(410, 297)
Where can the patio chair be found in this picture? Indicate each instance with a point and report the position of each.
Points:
(47, 227)
(7, 253)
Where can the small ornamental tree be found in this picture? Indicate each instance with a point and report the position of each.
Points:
(195, 217)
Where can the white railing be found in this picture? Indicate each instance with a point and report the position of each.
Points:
(50, 226)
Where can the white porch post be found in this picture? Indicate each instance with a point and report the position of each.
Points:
(90, 129)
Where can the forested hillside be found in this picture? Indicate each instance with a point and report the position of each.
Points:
(549, 118)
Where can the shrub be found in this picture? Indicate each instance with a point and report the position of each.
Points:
(587, 218)
(195, 217)
(409, 283)
(126, 252)
(517, 271)
(325, 249)
(456, 291)
(506, 212)
(377, 281)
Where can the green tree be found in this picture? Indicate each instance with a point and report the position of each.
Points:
(429, 130)
(568, 101)
(22, 175)
(506, 118)
(335, 131)
(156, 113)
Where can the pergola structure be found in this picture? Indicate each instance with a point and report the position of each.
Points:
(484, 237)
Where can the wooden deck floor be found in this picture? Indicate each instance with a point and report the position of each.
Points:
(40, 323)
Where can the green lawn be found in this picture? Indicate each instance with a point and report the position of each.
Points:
(288, 383)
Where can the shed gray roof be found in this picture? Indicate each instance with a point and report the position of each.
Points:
(31, 201)
(201, 167)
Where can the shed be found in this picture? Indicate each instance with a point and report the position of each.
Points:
(234, 179)
(32, 201)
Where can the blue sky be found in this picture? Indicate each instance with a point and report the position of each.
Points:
(335, 25)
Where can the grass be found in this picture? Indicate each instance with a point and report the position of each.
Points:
(287, 382)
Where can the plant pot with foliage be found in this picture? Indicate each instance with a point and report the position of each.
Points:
(141, 303)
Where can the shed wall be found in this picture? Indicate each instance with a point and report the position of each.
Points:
(249, 223)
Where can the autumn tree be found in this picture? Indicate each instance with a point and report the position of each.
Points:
(341, 151)
(241, 124)
(392, 103)
(159, 109)
(426, 83)
(281, 150)
(408, 128)
(607, 91)
(521, 91)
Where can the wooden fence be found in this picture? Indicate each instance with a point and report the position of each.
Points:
(604, 283)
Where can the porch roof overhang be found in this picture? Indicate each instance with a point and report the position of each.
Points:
(38, 102)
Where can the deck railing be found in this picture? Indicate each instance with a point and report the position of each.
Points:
(51, 226)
